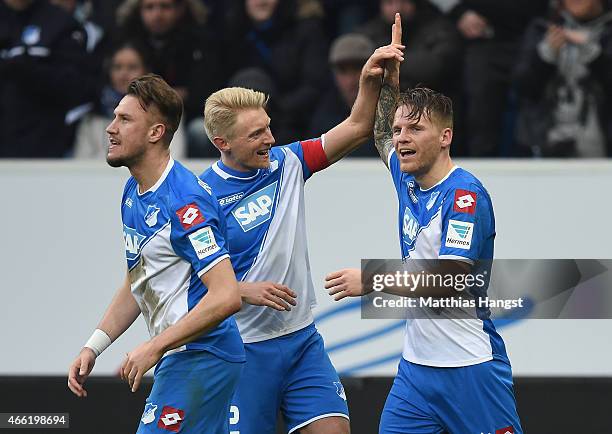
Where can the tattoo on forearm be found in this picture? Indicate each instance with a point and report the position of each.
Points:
(383, 131)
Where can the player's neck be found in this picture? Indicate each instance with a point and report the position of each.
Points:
(436, 174)
(148, 171)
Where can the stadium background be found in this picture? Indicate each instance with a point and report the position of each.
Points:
(62, 259)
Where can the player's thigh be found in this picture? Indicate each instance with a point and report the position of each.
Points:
(487, 401)
(405, 410)
(191, 393)
(255, 404)
(312, 390)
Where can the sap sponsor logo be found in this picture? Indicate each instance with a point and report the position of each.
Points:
(231, 198)
(340, 390)
(413, 197)
(203, 242)
(465, 201)
(171, 419)
(128, 202)
(190, 215)
(151, 215)
(459, 234)
(205, 186)
(133, 241)
(256, 208)
(410, 226)
(148, 415)
(432, 200)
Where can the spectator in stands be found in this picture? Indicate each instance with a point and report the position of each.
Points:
(564, 78)
(43, 76)
(347, 56)
(126, 63)
(285, 39)
(433, 46)
(176, 45)
(493, 30)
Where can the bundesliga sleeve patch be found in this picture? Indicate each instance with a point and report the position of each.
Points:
(171, 419)
(459, 234)
(465, 201)
(190, 215)
(203, 242)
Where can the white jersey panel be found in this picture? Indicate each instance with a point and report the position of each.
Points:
(283, 257)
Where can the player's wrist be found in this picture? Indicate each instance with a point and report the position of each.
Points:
(98, 342)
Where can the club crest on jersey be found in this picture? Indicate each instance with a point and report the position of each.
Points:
(133, 242)
(410, 226)
(413, 197)
(432, 200)
(465, 201)
(151, 215)
(148, 415)
(256, 208)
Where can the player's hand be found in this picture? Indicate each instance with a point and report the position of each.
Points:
(388, 56)
(80, 370)
(392, 67)
(472, 25)
(345, 283)
(138, 362)
(269, 294)
(555, 38)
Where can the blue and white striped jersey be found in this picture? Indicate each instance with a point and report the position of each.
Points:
(174, 233)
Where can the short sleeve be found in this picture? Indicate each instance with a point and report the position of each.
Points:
(311, 154)
(199, 232)
(394, 168)
(466, 224)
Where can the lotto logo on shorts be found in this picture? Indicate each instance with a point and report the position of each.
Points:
(171, 419)
(507, 430)
(190, 215)
(465, 201)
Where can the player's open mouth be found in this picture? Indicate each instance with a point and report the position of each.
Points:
(264, 152)
(112, 143)
(407, 152)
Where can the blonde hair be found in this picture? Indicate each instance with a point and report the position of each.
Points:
(221, 109)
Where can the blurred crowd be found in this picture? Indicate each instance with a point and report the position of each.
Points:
(529, 78)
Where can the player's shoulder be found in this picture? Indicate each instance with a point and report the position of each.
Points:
(130, 186)
(465, 180)
(184, 184)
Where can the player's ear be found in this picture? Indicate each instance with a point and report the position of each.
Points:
(156, 133)
(221, 144)
(446, 137)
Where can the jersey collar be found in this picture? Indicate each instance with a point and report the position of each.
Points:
(440, 181)
(161, 179)
(226, 172)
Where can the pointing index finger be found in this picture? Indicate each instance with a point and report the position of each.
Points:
(396, 30)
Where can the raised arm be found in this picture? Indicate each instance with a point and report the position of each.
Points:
(357, 128)
(387, 101)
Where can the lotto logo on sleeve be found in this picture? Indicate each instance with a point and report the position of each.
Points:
(465, 201)
(203, 242)
(171, 419)
(459, 234)
(190, 215)
(507, 430)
